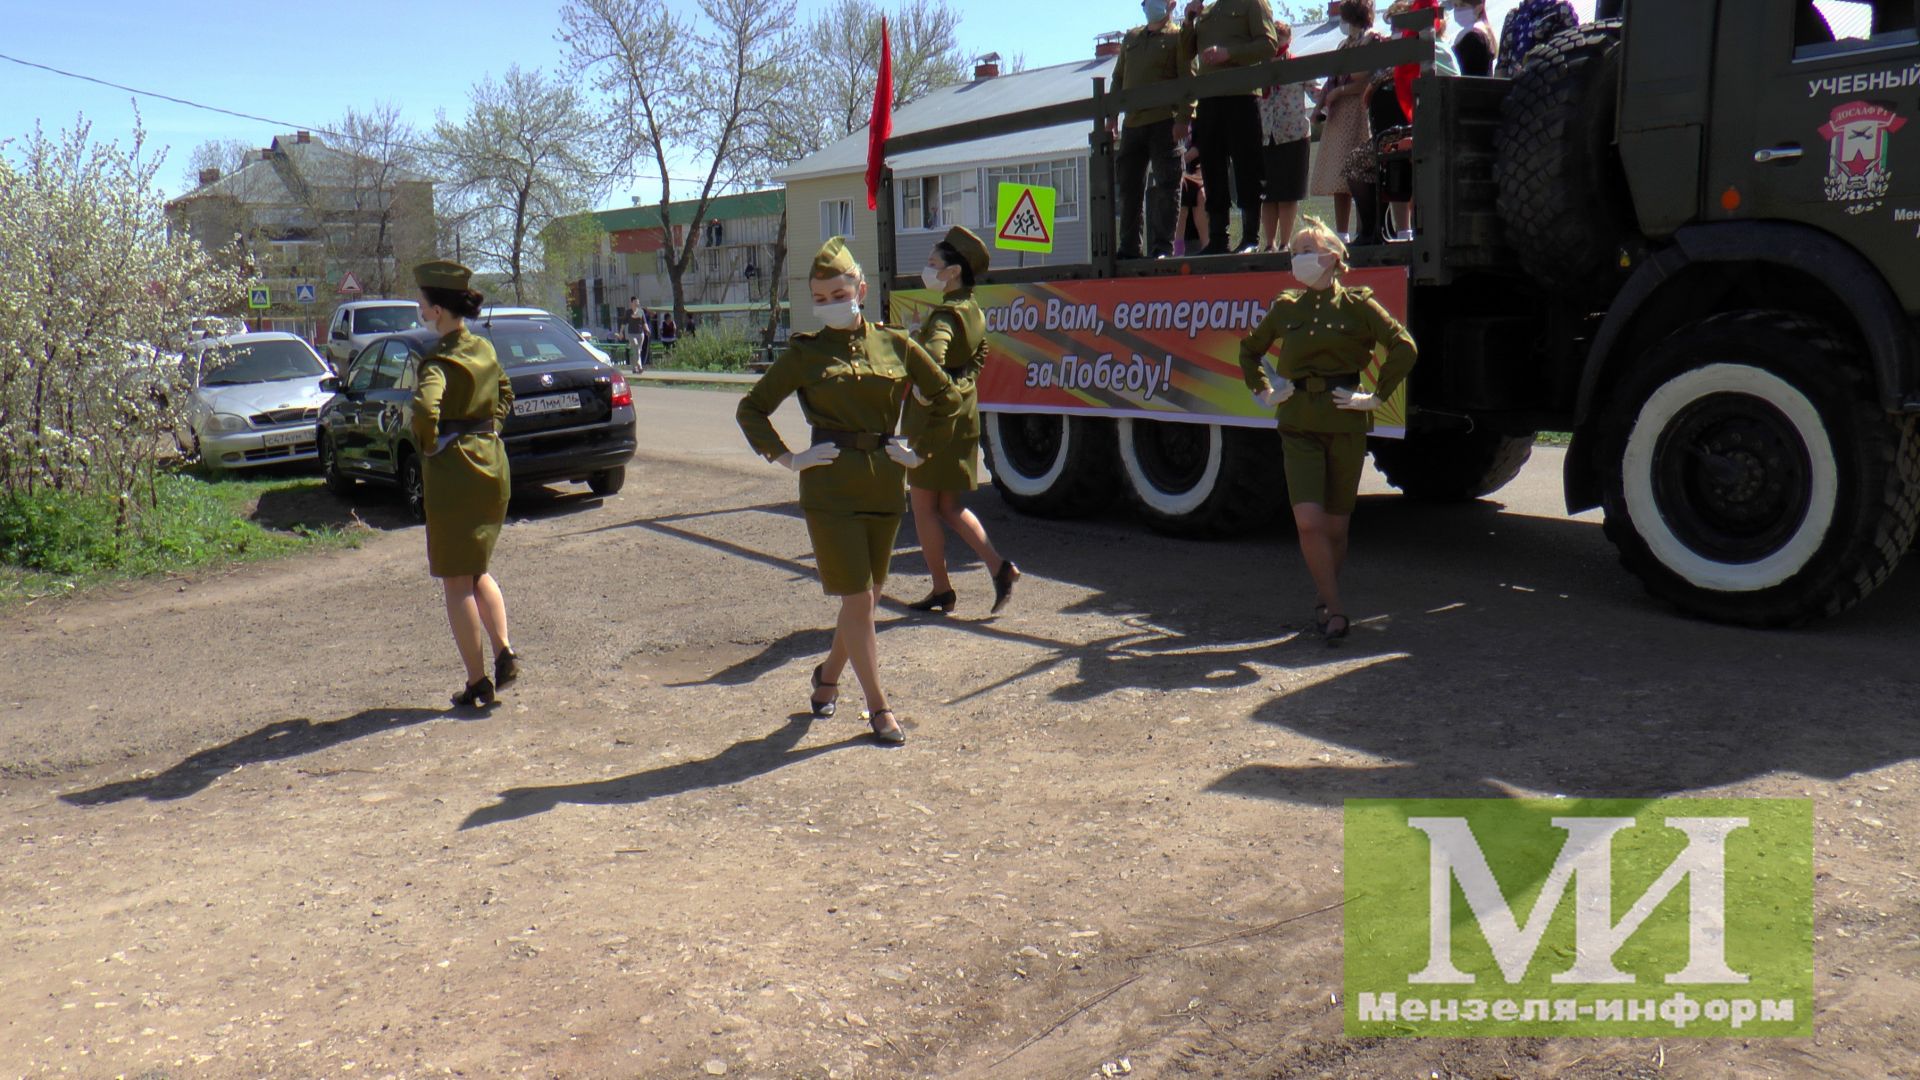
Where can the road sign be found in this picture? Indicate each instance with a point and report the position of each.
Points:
(303, 294)
(350, 285)
(259, 296)
(1025, 219)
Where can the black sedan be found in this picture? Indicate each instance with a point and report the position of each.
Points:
(572, 414)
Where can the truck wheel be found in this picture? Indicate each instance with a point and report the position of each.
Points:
(1451, 466)
(1051, 466)
(1752, 477)
(1563, 197)
(1202, 480)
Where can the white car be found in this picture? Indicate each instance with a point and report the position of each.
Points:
(358, 322)
(256, 399)
(207, 326)
(542, 315)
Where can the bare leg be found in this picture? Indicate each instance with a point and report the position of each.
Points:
(493, 612)
(968, 528)
(1402, 216)
(463, 616)
(863, 645)
(1317, 545)
(1342, 212)
(1286, 214)
(1180, 233)
(927, 514)
(1269, 222)
(1338, 526)
(1200, 223)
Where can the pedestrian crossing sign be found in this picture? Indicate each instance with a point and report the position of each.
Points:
(259, 297)
(1025, 218)
(303, 294)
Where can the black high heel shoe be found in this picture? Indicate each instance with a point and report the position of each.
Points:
(478, 693)
(823, 710)
(935, 601)
(888, 736)
(1003, 580)
(506, 668)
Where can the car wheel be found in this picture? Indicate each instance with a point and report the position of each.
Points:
(413, 485)
(337, 482)
(608, 481)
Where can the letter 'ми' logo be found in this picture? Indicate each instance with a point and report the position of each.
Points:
(1579, 917)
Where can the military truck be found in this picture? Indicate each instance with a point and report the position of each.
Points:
(1687, 233)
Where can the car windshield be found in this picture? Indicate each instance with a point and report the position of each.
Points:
(529, 342)
(258, 361)
(386, 320)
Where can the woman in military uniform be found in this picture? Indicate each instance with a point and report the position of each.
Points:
(954, 334)
(851, 379)
(460, 399)
(1326, 334)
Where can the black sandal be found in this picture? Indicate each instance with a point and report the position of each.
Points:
(1003, 580)
(935, 601)
(1320, 618)
(478, 693)
(506, 668)
(1327, 628)
(891, 736)
(823, 710)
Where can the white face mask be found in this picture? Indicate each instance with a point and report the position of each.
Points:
(840, 314)
(1314, 269)
(930, 277)
(1467, 17)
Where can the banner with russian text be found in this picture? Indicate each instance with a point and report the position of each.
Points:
(1157, 348)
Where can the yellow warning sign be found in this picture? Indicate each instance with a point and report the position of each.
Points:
(1025, 218)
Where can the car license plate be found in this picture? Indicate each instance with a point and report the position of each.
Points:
(287, 438)
(547, 404)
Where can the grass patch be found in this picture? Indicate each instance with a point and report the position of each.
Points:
(1553, 438)
(723, 350)
(57, 542)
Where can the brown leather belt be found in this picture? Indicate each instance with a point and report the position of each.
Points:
(850, 440)
(1320, 384)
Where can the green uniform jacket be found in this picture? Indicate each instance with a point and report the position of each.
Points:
(1242, 27)
(1326, 332)
(467, 484)
(850, 380)
(955, 336)
(1149, 56)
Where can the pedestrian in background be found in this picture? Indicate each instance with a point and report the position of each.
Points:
(852, 378)
(1286, 137)
(1150, 55)
(460, 399)
(1190, 233)
(638, 334)
(1534, 22)
(1220, 35)
(1474, 49)
(1326, 334)
(1343, 107)
(954, 334)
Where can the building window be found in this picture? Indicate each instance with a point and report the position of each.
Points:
(836, 219)
(939, 202)
(1062, 175)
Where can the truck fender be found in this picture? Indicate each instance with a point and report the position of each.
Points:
(1852, 280)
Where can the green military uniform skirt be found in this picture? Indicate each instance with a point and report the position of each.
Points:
(460, 401)
(1326, 339)
(955, 336)
(850, 384)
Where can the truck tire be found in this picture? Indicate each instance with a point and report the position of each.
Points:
(1451, 466)
(1202, 481)
(1051, 466)
(1750, 476)
(1563, 197)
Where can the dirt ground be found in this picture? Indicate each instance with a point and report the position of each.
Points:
(240, 836)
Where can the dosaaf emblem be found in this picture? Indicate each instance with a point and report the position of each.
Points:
(1858, 134)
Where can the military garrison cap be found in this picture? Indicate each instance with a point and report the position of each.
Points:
(834, 260)
(972, 251)
(442, 274)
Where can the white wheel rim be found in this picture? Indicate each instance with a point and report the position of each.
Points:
(1172, 504)
(1637, 466)
(1018, 482)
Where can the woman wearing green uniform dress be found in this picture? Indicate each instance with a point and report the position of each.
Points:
(461, 397)
(851, 379)
(1326, 335)
(955, 335)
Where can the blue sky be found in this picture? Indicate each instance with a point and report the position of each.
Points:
(307, 63)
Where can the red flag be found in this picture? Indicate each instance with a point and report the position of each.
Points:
(1405, 74)
(880, 128)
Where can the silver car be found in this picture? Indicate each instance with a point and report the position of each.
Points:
(255, 401)
(358, 322)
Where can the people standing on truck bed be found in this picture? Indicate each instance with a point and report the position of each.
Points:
(1190, 233)
(1326, 334)
(1474, 49)
(1534, 22)
(1286, 151)
(1151, 54)
(1227, 34)
(851, 379)
(1343, 107)
(954, 334)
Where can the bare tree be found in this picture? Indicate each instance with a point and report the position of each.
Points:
(703, 89)
(227, 156)
(366, 191)
(518, 160)
(845, 41)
